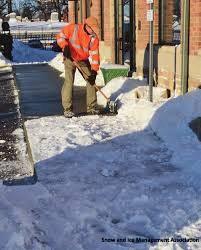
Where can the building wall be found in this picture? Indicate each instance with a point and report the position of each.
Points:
(108, 45)
(167, 59)
(71, 12)
(195, 45)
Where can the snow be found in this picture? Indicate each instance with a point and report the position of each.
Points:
(17, 26)
(24, 54)
(176, 26)
(108, 177)
(102, 163)
(3, 61)
(114, 66)
(136, 174)
(126, 19)
(173, 128)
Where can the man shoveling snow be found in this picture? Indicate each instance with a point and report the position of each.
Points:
(78, 43)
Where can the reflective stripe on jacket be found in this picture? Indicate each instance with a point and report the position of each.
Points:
(82, 46)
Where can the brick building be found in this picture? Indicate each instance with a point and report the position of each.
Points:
(124, 36)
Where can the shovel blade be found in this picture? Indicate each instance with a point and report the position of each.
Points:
(113, 107)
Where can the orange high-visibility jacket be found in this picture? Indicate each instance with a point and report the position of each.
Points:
(82, 46)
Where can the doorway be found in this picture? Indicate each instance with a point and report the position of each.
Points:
(125, 33)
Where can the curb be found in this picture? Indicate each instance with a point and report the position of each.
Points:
(29, 180)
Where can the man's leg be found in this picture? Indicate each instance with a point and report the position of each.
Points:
(91, 91)
(67, 89)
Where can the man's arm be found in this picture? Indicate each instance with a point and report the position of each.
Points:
(62, 37)
(94, 52)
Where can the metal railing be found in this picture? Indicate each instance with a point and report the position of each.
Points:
(46, 38)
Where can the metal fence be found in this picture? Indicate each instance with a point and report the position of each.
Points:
(45, 38)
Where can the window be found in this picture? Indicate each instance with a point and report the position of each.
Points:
(170, 21)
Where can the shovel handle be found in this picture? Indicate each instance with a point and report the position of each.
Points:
(96, 87)
(80, 69)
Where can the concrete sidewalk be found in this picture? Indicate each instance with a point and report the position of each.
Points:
(40, 91)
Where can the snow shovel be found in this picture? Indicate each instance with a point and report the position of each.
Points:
(111, 105)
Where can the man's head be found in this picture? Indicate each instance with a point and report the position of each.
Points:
(91, 25)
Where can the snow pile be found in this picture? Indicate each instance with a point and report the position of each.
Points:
(24, 54)
(122, 90)
(114, 66)
(159, 93)
(171, 122)
(119, 88)
(36, 26)
(57, 63)
(3, 61)
(12, 21)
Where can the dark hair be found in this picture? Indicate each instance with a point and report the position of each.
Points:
(5, 26)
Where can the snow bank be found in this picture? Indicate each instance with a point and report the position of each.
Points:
(57, 63)
(114, 66)
(24, 54)
(3, 61)
(123, 91)
(171, 122)
(35, 26)
(121, 88)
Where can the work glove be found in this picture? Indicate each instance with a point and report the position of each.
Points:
(66, 52)
(92, 78)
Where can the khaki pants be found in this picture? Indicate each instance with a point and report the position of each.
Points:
(67, 89)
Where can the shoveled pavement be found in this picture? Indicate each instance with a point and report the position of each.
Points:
(40, 91)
